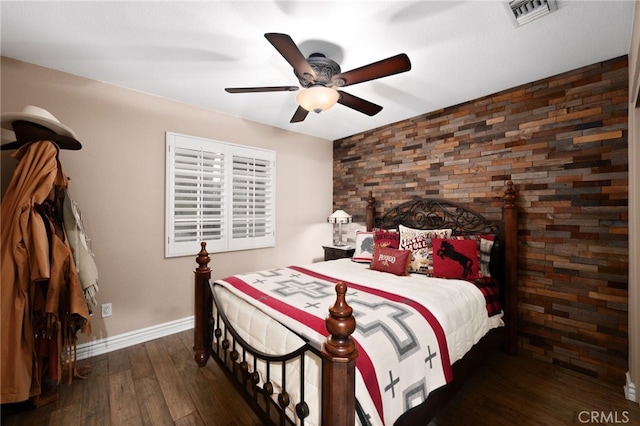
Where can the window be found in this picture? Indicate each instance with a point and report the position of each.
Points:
(220, 193)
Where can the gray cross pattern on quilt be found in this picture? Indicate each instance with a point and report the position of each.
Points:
(270, 273)
(399, 334)
(312, 289)
(431, 356)
(392, 384)
(381, 320)
(414, 394)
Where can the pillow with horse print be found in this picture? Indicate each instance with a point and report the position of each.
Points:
(453, 258)
(485, 245)
(419, 242)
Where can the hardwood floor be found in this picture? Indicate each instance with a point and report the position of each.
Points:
(517, 390)
(154, 383)
(158, 383)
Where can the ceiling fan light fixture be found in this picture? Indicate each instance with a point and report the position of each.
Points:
(317, 98)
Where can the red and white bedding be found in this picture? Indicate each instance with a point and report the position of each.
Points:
(410, 329)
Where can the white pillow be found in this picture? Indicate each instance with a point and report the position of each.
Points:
(364, 247)
(419, 242)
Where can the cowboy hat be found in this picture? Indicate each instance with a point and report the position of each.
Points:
(7, 135)
(35, 123)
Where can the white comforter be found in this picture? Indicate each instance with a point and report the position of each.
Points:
(459, 307)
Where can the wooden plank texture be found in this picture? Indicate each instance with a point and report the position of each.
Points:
(508, 390)
(563, 141)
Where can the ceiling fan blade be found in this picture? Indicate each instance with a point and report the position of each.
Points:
(289, 51)
(358, 104)
(384, 68)
(261, 89)
(299, 115)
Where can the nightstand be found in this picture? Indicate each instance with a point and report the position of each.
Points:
(333, 252)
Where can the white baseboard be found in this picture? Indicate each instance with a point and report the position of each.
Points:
(630, 389)
(113, 343)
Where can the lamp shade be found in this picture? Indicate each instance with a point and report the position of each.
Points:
(339, 216)
(317, 98)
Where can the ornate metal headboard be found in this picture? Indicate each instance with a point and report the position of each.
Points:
(429, 213)
(436, 214)
(443, 214)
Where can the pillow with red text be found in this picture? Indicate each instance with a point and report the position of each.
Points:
(419, 242)
(391, 260)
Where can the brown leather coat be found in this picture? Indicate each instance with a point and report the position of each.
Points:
(39, 281)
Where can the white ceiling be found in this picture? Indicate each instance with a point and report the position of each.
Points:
(191, 51)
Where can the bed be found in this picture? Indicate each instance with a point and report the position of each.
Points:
(303, 355)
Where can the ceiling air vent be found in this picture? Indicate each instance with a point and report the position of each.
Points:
(525, 11)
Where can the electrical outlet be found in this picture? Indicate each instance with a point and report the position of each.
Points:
(106, 310)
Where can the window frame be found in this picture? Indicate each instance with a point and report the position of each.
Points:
(202, 184)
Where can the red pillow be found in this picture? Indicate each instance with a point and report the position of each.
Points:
(485, 245)
(391, 260)
(455, 258)
(386, 239)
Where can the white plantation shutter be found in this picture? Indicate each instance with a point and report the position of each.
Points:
(252, 205)
(219, 193)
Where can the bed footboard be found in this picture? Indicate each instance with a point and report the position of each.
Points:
(202, 332)
(334, 364)
(338, 354)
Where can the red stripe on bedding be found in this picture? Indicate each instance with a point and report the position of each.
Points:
(426, 313)
(363, 362)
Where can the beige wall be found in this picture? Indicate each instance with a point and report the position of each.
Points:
(118, 181)
(634, 206)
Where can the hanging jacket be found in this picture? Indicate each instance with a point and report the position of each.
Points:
(26, 257)
(82, 254)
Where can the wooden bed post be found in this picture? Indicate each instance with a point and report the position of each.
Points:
(339, 355)
(370, 211)
(510, 220)
(202, 307)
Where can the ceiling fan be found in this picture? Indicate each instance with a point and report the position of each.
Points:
(320, 76)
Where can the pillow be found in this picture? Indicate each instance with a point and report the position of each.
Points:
(484, 252)
(364, 247)
(391, 260)
(485, 245)
(386, 239)
(453, 258)
(419, 242)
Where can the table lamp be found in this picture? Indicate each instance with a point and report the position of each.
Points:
(339, 217)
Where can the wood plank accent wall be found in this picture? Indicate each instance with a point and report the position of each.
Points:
(563, 142)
